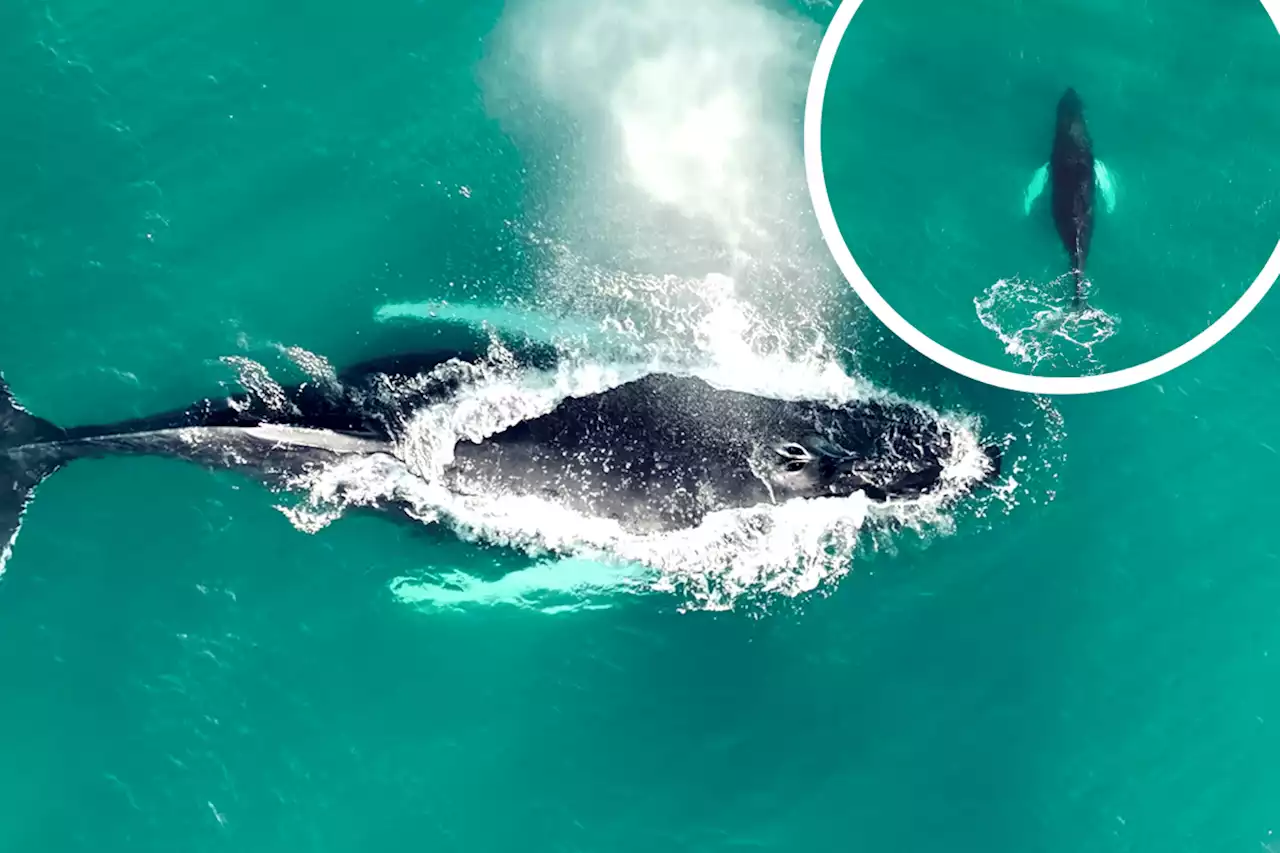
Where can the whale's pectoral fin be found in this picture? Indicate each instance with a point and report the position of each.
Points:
(1035, 188)
(1106, 184)
(510, 322)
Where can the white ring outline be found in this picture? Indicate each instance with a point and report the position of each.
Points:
(926, 346)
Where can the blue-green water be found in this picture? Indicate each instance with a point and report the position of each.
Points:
(1094, 669)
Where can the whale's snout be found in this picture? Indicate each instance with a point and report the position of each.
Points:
(1070, 104)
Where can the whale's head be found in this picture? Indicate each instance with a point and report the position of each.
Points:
(881, 450)
(1070, 106)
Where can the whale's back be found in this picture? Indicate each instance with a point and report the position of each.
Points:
(1071, 168)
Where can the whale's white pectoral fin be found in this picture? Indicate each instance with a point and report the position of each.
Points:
(518, 323)
(1035, 188)
(1106, 184)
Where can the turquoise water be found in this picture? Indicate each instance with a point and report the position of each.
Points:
(1093, 668)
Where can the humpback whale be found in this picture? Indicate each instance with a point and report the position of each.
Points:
(1073, 174)
(657, 453)
(672, 449)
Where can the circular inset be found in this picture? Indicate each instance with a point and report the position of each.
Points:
(948, 358)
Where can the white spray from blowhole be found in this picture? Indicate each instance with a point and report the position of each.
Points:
(675, 128)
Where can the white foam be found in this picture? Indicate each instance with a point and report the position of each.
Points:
(1036, 328)
(7, 550)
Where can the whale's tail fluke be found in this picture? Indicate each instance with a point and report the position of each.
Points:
(27, 456)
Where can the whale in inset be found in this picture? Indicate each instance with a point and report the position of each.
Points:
(1073, 174)
(656, 454)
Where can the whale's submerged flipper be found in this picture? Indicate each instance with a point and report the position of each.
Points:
(1035, 188)
(1106, 184)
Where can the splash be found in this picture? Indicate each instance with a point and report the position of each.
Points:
(696, 319)
(1039, 330)
(257, 380)
(674, 212)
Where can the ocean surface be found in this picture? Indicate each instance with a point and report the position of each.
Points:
(1085, 658)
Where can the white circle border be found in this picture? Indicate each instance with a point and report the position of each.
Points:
(925, 345)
